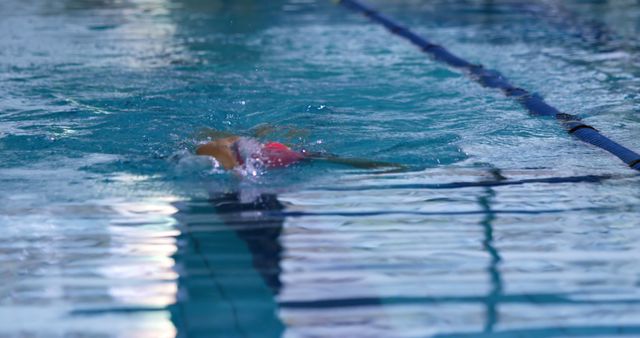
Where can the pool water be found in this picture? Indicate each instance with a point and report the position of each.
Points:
(501, 225)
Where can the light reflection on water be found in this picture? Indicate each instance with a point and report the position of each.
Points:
(68, 263)
(326, 272)
(503, 225)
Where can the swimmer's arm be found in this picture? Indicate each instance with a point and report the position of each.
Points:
(213, 134)
(265, 130)
(355, 162)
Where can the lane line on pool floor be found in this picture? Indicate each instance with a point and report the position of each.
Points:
(534, 103)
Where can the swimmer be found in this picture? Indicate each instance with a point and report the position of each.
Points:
(235, 151)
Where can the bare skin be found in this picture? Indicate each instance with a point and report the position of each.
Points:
(220, 149)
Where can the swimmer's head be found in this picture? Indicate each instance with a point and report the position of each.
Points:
(276, 154)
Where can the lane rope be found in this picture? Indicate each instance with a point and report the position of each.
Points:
(534, 103)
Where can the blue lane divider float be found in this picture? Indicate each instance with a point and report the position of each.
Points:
(493, 79)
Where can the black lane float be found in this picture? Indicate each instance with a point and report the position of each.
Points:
(534, 103)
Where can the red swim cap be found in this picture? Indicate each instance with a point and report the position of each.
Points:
(276, 154)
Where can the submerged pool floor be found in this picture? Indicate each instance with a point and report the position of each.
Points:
(501, 226)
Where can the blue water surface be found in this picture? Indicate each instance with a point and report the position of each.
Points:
(500, 225)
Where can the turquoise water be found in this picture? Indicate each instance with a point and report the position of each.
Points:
(111, 228)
